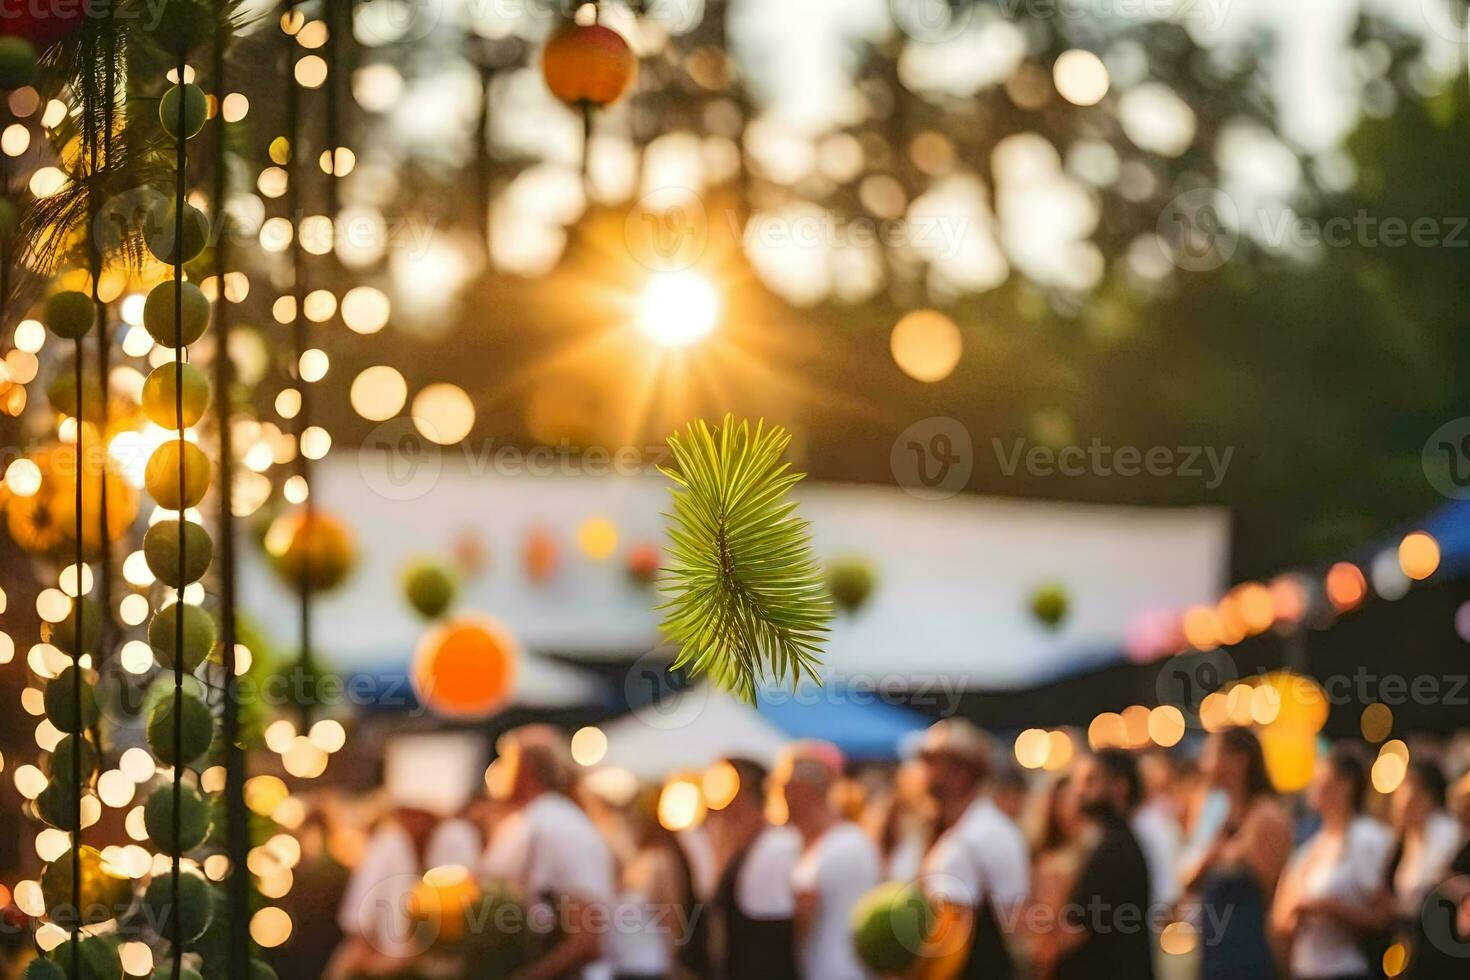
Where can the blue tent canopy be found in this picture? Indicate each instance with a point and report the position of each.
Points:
(859, 721)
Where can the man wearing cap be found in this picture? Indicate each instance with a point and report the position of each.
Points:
(550, 850)
(839, 863)
(977, 872)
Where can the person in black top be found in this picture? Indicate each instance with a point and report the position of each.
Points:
(1106, 926)
(745, 942)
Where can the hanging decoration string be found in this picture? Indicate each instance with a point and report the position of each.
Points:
(176, 869)
(104, 367)
(237, 839)
(294, 174)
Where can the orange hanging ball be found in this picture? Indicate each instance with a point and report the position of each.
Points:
(590, 63)
(466, 667)
(315, 549)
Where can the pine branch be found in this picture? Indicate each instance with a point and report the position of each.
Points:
(745, 596)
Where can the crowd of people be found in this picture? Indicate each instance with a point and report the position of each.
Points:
(1127, 865)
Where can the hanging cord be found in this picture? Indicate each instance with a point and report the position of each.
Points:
(237, 839)
(104, 353)
(89, 146)
(76, 689)
(298, 336)
(181, 162)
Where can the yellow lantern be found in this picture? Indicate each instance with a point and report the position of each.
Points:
(314, 549)
(438, 904)
(1291, 756)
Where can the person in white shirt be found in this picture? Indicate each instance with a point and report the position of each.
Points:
(1430, 836)
(977, 871)
(551, 851)
(1332, 894)
(1155, 822)
(839, 863)
(379, 934)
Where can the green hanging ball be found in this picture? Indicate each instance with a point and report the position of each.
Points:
(61, 709)
(260, 970)
(57, 805)
(166, 972)
(63, 758)
(161, 551)
(198, 730)
(1050, 604)
(105, 894)
(17, 62)
(890, 926)
(430, 587)
(158, 819)
(159, 319)
(41, 968)
(99, 959)
(196, 110)
(62, 390)
(179, 26)
(160, 234)
(199, 636)
(64, 633)
(70, 314)
(160, 402)
(195, 906)
(851, 581)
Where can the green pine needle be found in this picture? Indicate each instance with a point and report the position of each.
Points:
(745, 598)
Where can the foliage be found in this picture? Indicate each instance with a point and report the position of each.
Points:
(746, 598)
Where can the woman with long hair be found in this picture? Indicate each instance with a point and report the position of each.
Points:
(1332, 898)
(1236, 870)
(1422, 874)
(1058, 846)
(1429, 836)
(655, 902)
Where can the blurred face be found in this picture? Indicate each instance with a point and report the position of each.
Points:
(1328, 789)
(945, 778)
(1068, 809)
(1409, 805)
(1221, 767)
(1094, 788)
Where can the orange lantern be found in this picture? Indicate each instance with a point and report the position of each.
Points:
(314, 549)
(642, 563)
(588, 64)
(540, 555)
(466, 667)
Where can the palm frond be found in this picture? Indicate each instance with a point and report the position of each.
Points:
(744, 596)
